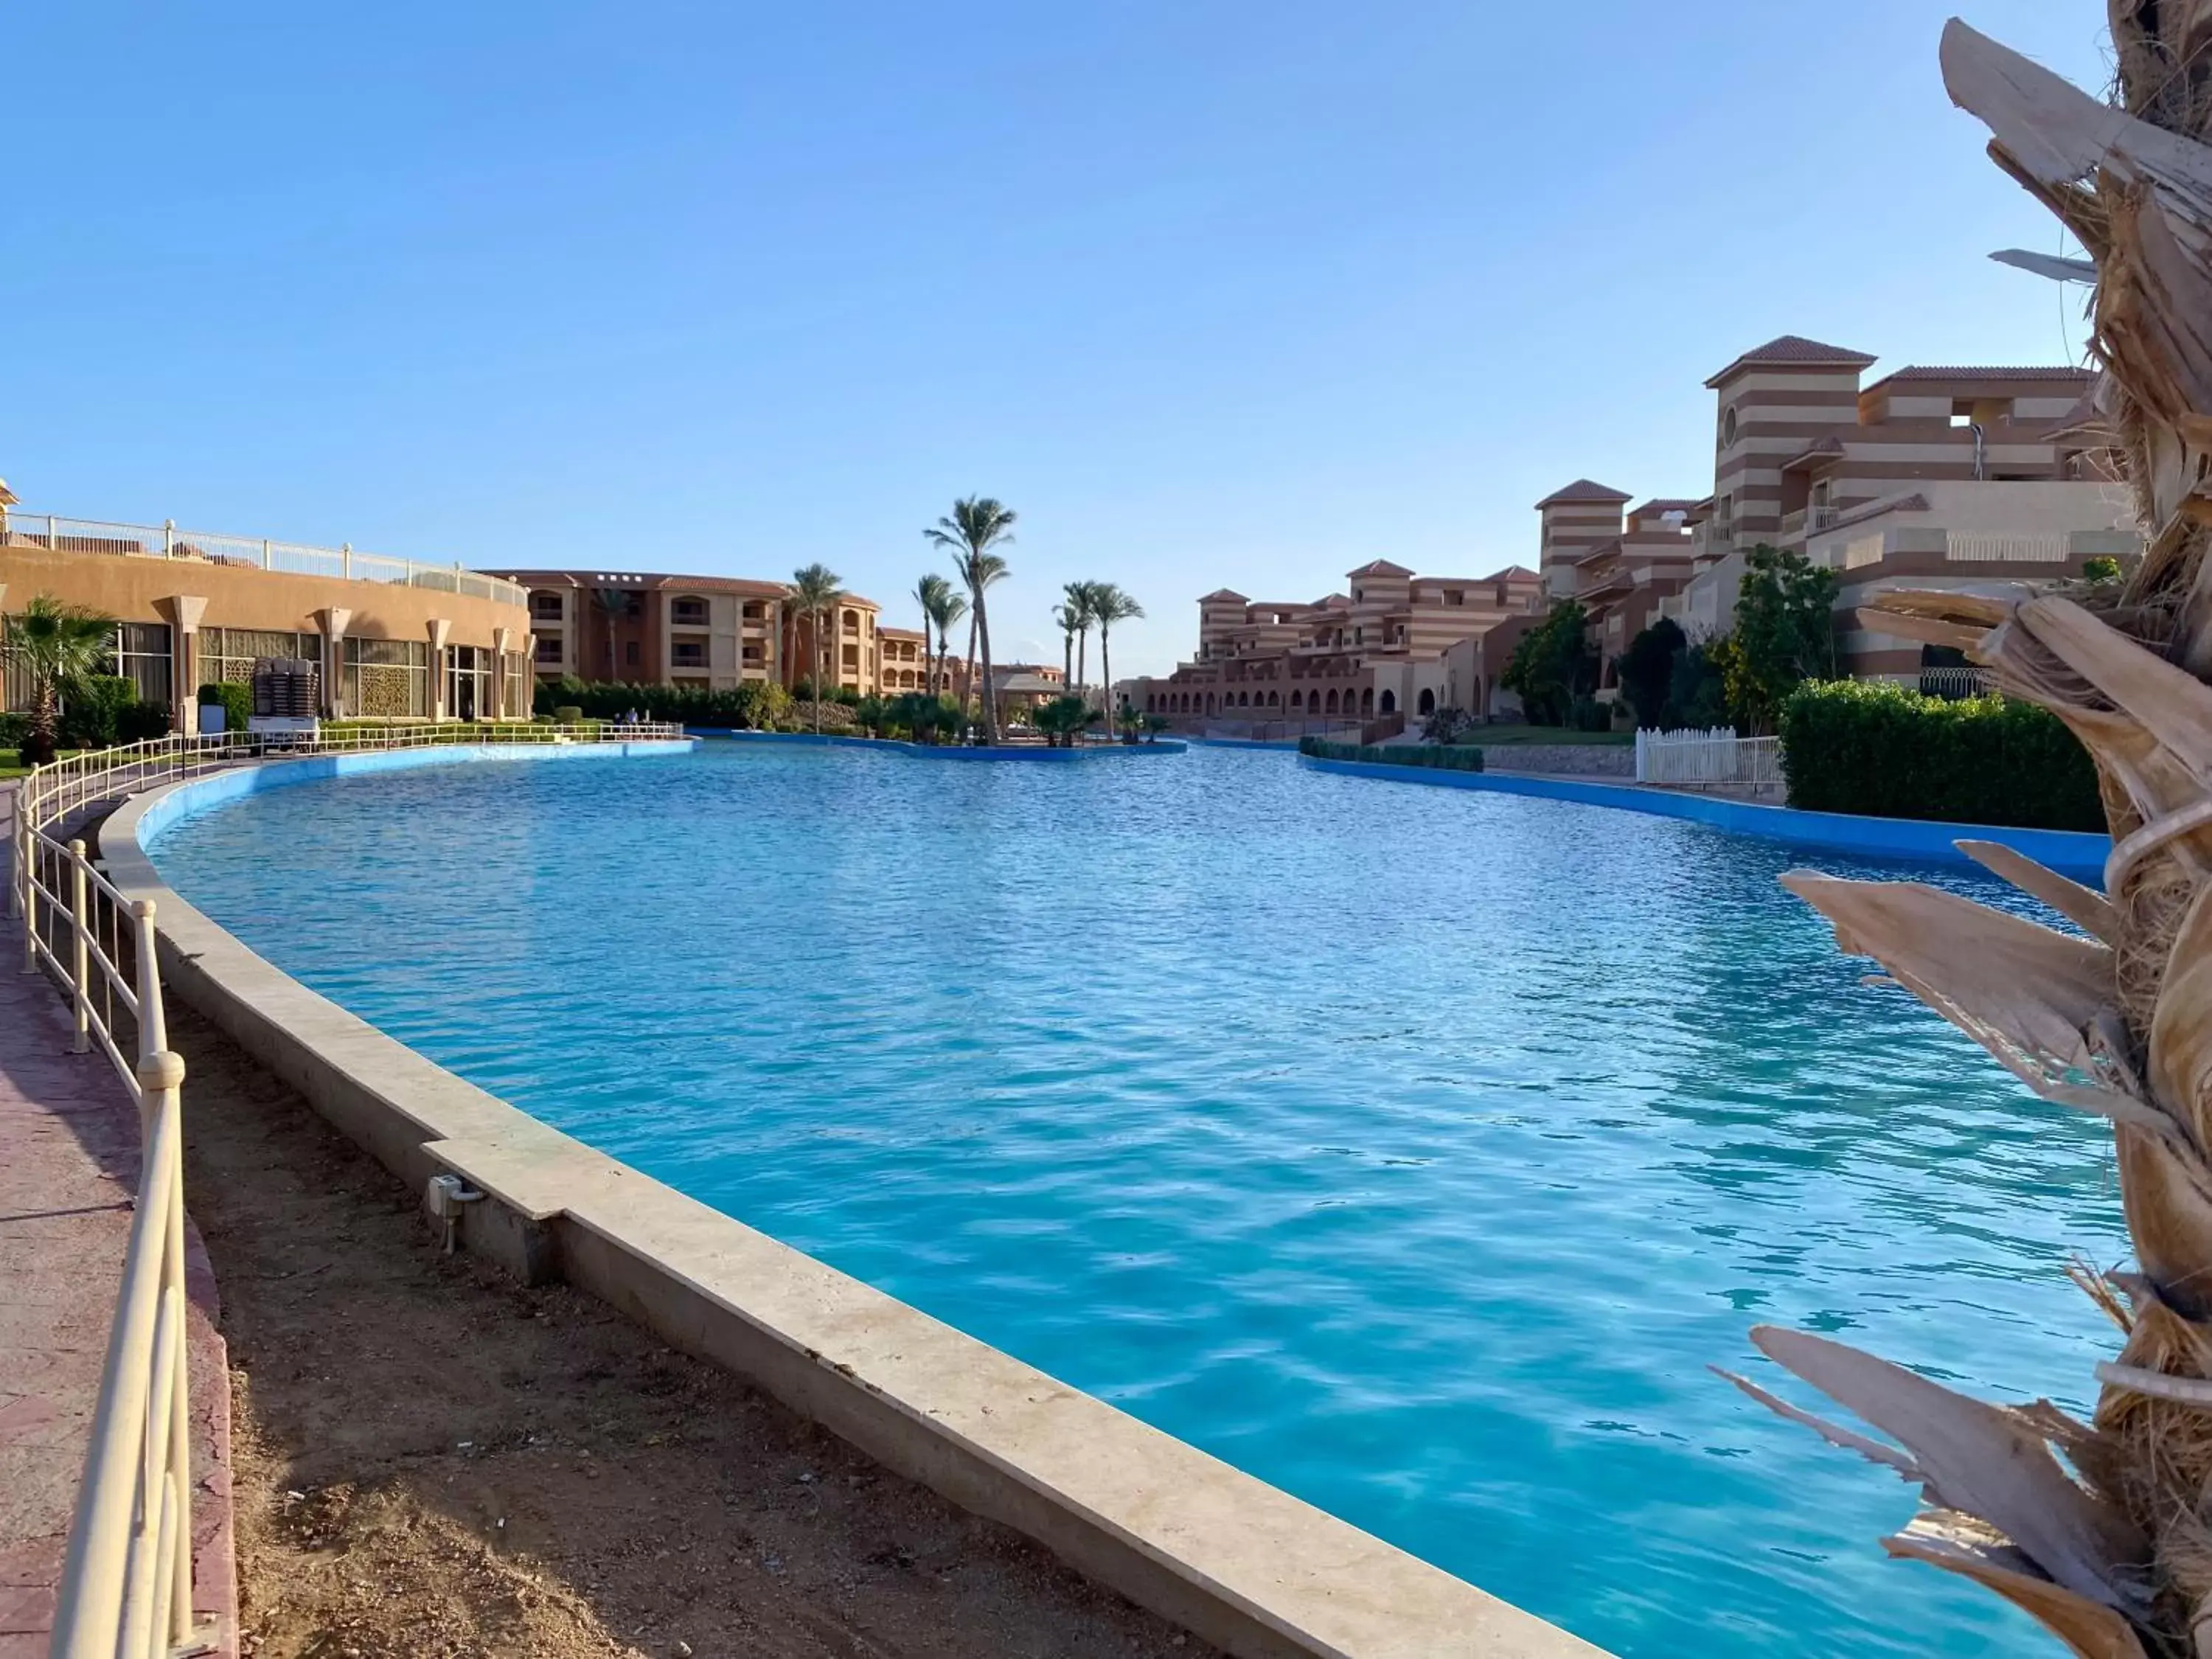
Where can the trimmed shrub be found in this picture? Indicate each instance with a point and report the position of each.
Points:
(754, 704)
(13, 728)
(1443, 756)
(235, 701)
(137, 722)
(1888, 751)
(568, 714)
(92, 710)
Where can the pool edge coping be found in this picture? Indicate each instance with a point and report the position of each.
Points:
(2073, 852)
(1235, 1561)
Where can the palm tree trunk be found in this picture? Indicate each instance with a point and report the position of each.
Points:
(1081, 658)
(990, 701)
(818, 673)
(1067, 659)
(1106, 673)
(974, 614)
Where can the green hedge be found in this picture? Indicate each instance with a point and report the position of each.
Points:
(1443, 756)
(755, 704)
(235, 701)
(1886, 750)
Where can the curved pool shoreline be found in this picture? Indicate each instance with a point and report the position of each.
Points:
(1239, 1562)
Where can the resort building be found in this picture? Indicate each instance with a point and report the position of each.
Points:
(715, 632)
(393, 637)
(1373, 653)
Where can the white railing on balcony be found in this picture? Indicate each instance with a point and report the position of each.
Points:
(1952, 682)
(135, 541)
(2017, 547)
(1700, 759)
(126, 1586)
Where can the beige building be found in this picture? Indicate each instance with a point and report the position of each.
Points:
(714, 632)
(393, 637)
(1374, 652)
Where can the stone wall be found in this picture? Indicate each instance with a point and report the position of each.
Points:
(1570, 760)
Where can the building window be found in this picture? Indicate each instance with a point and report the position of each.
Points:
(140, 655)
(852, 619)
(548, 652)
(687, 612)
(1728, 426)
(545, 607)
(687, 653)
(755, 611)
(386, 678)
(228, 654)
(469, 684)
(630, 653)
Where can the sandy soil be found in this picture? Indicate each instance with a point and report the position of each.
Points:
(433, 1461)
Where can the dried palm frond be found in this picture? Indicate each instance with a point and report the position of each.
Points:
(2111, 1548)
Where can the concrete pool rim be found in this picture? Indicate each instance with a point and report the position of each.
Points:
(1237, 1562)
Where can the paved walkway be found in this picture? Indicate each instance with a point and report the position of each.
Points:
(69, 1168)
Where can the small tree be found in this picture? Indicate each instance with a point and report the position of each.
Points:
(1785, 634)
(1647, 669)
(56, 646)
(1553, 664)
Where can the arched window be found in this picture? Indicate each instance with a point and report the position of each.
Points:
(1274, 700)
(1297, 700)
(1332, 700)
(1390, 702)
(1428, 704)
(1209, 702)
(1367, 700)
(1243, 699)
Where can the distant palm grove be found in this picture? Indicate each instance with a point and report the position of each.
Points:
(973, 539)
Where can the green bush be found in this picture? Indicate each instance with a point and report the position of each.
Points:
(569, 714)
(139, 722)
(235, 701)
(1445, 757)
(93, 709)
(13, 729)
(1886, 750)
(754, 704)
(1589, 715)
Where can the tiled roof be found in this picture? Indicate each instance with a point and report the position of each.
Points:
(1228, 595)
(1794, 348)
(1512, 572)
(1938, 371)
(1380, 567)
(1584, 489)
(1664, 504)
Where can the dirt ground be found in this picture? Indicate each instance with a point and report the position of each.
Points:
(433, 1461)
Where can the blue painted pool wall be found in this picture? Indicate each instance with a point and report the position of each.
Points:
(2068, 852)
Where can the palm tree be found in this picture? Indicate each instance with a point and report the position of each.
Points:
(613, 603)
(815, 590)
(1063, 617)
(2107, 1547)
(1109, 604)
(977, 525)
(931, 592)
(55, 646)
(1082, 605)
(956, 607)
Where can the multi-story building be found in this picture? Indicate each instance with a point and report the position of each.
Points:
(714, 632)
(393, 637)
(1377, 650)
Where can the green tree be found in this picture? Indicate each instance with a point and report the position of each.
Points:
(1697, 690)
(930, 594)
(1060, 718)
(56, 646)
(1083, 606)
(944, 608)
(1552, 665)
(1108, 605)
(1785, 635)
(1647, 669)
(2103, 569)
(976, 526)
(815, 590)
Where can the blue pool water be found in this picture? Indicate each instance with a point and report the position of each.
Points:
(1414, 1149)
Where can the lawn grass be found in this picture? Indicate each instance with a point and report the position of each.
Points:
(10, 770)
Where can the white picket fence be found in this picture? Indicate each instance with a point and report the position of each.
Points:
(1698, 760)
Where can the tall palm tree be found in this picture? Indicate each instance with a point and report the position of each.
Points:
(1063, 618)
(977, 525)
(613, 604)
(930, 594)
(1109, 604)
(815, 590)
(947, 617)
(2108, 1547)
(1082, 604)
(55, 646)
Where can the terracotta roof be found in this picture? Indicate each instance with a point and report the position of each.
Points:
(1794, 348)
(1225, 594)
(903, 633)
(1380, 567)
(1938, 371)
(1584, 489)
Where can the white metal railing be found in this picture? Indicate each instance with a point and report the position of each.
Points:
(1695, 760)
(2019, 547)
(138, 541)
(126, 1589)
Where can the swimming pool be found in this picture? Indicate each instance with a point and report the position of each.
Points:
(1413, 1149)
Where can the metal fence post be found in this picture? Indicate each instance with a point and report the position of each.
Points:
(152, 1024)
(345, 561)
(268, 560)
(168, 538)
(81, 989)
(30, 903)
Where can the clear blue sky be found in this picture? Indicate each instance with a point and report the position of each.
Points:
(1213, 293)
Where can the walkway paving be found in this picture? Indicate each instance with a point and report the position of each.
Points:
(69, 1168)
